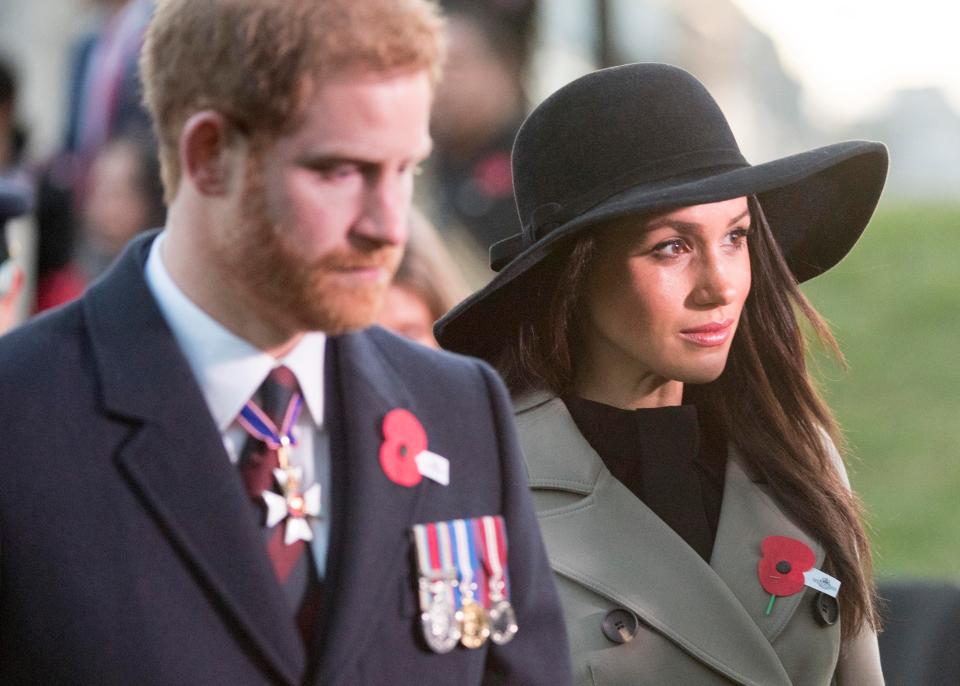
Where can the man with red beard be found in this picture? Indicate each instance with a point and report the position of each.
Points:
(212, 472)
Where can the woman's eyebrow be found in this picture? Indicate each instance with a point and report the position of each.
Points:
(677, 225)
(740, 216)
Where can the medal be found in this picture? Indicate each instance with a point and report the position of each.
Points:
(291, 504)
(501, 618)
(438, 616)
(438, 611)
(472, 618)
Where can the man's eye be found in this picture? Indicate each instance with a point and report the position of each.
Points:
(341, 171)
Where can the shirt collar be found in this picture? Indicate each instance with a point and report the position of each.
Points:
(229, 369)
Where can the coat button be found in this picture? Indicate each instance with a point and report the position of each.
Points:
(826, 609)
(620, 625)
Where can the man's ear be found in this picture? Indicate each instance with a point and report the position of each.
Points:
(206, 152)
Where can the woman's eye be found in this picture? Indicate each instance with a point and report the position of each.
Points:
(671, 248)
(738, 237)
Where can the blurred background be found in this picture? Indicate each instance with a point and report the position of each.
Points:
(788, 75)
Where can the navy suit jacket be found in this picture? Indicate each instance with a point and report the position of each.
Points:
(129, 553)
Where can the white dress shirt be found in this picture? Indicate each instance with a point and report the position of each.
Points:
(229, 371)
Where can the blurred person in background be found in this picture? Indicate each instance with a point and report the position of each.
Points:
(105, 91)
(14, 202)
(648, 321)
(124, 197)
(13, 138)
(104, 100)
(16, 272)
(479, 105)
(425, 286)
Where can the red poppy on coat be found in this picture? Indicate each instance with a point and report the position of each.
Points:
(403, 439)
(783, 563)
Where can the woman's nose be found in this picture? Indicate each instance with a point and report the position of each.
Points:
(716, 283)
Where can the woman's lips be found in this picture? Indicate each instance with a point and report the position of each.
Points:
(709, 335)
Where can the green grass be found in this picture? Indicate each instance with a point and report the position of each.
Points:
(894, 306)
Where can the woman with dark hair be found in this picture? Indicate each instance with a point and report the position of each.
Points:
(648, 323)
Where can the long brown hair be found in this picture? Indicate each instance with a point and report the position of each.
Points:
(765, 399)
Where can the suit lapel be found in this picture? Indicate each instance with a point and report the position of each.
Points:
(176, 462)
(371, 514)
(662, 580)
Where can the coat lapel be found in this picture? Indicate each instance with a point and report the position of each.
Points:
(371, 514)
(748, 515)
(663, 580)
(176, 462)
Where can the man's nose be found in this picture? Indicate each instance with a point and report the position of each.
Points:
(386, 203)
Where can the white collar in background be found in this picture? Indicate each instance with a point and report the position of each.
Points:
(228, 368)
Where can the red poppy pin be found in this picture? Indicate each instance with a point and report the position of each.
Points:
(782, 566)
(403, 439)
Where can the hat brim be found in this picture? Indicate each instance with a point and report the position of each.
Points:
(817, 204)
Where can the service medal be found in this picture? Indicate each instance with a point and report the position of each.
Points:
(441, 629)
(472, 617)
(501, 618)
(437, 593)
(502, 621)
(473, 625)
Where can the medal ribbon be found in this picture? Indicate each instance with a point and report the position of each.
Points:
(494, 538)
(423, 561)
(260, 426)
(466, 556)
(475, 535)
(446, 556)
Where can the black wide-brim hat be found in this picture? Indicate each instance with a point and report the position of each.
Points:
(646, 138)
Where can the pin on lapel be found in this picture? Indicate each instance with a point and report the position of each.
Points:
(782, 566)
(787, 566)
(404, 457)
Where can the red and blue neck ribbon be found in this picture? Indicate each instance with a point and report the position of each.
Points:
(260, 426)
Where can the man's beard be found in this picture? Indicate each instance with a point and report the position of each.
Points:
(292, 290)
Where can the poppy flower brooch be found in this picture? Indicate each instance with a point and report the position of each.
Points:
(404, 457)
(786, 567)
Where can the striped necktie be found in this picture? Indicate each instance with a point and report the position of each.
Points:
(274, 483)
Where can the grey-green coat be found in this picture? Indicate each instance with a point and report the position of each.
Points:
(701, 624)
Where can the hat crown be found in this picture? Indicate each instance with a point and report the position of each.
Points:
(611, 130)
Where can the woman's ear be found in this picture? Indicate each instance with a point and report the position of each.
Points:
(205, 152)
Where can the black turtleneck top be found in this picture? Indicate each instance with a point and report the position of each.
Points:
(672, 458)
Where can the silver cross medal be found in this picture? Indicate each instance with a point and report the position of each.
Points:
(297, 508)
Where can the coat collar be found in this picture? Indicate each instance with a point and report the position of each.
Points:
(720, 620)
(176, 461)
(372, 515)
